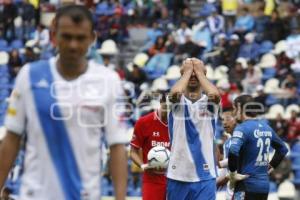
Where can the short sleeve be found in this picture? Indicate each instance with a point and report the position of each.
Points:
(137, 140)
(115, 129)
(15, 116)
(237, 140)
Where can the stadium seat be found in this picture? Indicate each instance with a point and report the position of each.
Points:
(267, 61)
(271, 85)
(271, 100)
(4, 58)
(221, 72)
(3, 43)
(274, 111)
(16, 44)
(268, 73)
(286, 190)
(140, 59)
(289, 109)
(173, 73)
(266, 47)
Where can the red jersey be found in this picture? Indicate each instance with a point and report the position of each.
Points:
(150, 131)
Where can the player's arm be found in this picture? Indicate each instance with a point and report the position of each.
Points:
(116, 137)
(135, 156)
(9, 149)
(209, 88)
(237, 142)
(118, 168)
(280, 150)
(178, 89)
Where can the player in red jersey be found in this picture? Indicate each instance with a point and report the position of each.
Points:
(151, 130)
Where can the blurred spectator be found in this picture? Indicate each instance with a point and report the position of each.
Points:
(202, 36)
(178, 6)
(220, 51)
(165, 22)
(275, 29)
(107, 61)
(27, 12)
(186, 16)
(14, 63)
(252, 79)
(244, 23)
(280, 126)
(293, 42)
(118, 26)
(289, 84)
(183, 32)
(152, 35)
(215, 23)
(269, 7)
(189, 48)
(207, 8)
(10, 12)
(261, 21)
(29, 55)
(229, 9)
(250, 49)
(171, 45)
(233, 50)
(42, 36)
(237, 74)
(224, 90)
(293, 127)
(158, 47)
(137, 76)
(283, 65)
(261, 96)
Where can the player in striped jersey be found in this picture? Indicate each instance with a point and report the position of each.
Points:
(63, 104)
(194, 106)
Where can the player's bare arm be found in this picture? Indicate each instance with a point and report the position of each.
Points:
(180, 86)
(118, 167)
(8, 151)
(135, 156)
(211, 90)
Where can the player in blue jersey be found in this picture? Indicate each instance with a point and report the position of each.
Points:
(249, 151)
(192, 167)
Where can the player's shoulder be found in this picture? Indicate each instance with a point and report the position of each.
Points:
(100, 70)
(146, 118)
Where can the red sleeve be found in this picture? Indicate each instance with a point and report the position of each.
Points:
(137, 140)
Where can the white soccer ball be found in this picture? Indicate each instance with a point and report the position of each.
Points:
(158, 156)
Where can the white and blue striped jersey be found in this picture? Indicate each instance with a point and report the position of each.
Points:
(64, 122)
(191, 129)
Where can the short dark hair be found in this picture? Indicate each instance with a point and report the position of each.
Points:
(248, 105)
(77, 13)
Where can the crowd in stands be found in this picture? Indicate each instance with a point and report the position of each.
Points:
(249, 46)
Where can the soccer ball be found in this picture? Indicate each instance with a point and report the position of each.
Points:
(158, 157)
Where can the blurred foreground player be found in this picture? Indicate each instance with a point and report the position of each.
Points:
(249, 151)
(151, 130)
(63, 104)
(194, 107)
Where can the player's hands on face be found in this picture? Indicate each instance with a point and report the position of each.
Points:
(187, 66)
(199, 66)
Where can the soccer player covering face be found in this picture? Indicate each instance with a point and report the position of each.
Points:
(193, 112)
(249, 151)
(149, 131)
(63, 104)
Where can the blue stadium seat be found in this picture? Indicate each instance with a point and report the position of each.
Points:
(265, 47)
(268, 73)
(16, 44)
(271, 100)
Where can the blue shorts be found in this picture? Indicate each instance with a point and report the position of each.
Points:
(202, 190)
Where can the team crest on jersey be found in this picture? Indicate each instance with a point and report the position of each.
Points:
(155, 134)
(238, 134)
